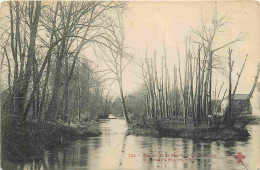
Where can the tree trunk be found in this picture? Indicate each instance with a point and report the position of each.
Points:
(123, 102)
(31, 56)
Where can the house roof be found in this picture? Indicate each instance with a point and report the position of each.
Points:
(236, 97)
(258, 86)
(240, 96)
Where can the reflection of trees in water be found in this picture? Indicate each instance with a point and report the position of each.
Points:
(159, 140)
(196, 151)
(54, 161)
(43, 162)
(230, 148)
(174, 143)
(202, 162)
(148, 148)
(82, 155)
(122, 152)
(37, 165)
(217, 145)
(64, 158)
(79, 154)
(86, 151)
(207, 151)
(185, 146)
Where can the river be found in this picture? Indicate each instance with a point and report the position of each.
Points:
(115, 150)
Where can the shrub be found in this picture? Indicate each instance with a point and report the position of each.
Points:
(22, 142)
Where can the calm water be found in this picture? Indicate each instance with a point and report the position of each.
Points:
(113, 148)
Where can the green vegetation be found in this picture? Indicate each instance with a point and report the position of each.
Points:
(24, 141)
(169, 128)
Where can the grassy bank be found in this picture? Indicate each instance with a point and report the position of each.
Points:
(168, 128)
(22, 142)
(144, 131)
(254, 120)
(206, 133)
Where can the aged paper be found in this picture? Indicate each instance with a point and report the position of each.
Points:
(130, 85)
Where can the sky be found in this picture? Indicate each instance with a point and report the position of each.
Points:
(153, 25)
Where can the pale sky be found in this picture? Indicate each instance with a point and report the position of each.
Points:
(149, 24)
(152, 24)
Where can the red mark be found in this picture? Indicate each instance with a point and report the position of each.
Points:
(131, 155)
(239, 157)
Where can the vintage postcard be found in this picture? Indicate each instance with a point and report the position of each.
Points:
(130, 85)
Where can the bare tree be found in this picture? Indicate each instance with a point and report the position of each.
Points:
(37, 66)
(208, 34)
(114, 55)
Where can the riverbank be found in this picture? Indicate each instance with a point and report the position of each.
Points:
(205, 133)
(22, 142)
(176, 129)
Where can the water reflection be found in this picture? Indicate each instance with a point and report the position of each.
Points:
(115, 150)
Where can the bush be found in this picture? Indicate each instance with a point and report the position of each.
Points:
(19, 141)
(22, 142)
(242, 121)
